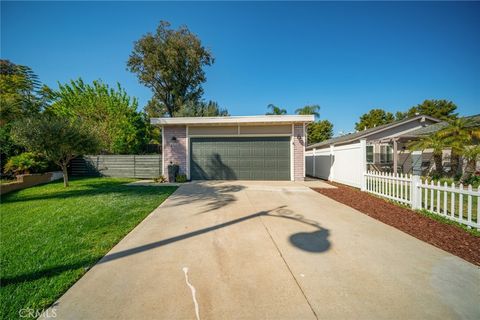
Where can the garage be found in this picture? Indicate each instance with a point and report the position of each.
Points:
(264, 147)
(240, 158)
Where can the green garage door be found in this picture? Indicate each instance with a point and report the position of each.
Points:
(258, 158)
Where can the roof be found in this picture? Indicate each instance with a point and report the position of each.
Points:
(364, 133)
(264, 119)
(475, 121)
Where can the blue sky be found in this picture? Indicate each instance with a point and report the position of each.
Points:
(346, 57)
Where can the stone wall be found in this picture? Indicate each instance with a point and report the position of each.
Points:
(29, 180)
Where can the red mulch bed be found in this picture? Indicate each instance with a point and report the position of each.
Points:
(444, 236)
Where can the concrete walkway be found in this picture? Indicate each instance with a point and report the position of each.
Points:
(250, 250)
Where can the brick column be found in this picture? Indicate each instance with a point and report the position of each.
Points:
(174, 150)
(298, 152)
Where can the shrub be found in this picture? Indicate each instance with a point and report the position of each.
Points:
(160, 179)
(181, 178)
(24, 163)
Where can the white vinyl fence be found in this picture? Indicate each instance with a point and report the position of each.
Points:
(459, 204)
(344, 164)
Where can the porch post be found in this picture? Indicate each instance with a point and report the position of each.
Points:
(395, 156)
(363, 163)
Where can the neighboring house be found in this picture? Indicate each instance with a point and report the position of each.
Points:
(235, 148)
(384, 148)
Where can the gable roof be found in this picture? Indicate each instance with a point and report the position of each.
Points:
(475, 122)
(365, 133)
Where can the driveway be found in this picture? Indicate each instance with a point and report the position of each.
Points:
(270, 250)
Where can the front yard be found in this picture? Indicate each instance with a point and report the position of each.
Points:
(50, 236)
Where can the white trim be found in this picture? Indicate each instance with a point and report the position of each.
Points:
(239, 136)
(233, 119)
(304, 144)
(163, 151)
(292, 152)
(188, 154)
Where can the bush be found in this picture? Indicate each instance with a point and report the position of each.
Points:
(24, 163)
(181, 178)
(160, 179)
(474, 180)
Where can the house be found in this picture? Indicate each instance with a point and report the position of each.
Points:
(270, 147)
(384, 148)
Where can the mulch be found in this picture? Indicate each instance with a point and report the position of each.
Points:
(447, 237)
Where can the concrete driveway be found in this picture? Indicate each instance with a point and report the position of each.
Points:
(270, 250)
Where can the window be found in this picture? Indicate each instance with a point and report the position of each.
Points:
(386, 154)
(369, 154)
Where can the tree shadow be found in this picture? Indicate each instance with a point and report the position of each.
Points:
(216, 194)
(215, 169)
(316, 241)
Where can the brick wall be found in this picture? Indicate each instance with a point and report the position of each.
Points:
(175, 152)
(298, 152)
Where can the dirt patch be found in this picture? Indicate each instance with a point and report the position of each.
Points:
(446, 237)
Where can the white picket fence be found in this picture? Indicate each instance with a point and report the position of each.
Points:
(459, 204)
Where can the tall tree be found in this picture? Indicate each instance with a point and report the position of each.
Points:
(21, 95)
(110, 112)
(56, 138)
(310, 109)
(171, 62)
(319, 131)
(374, 118)
(440, 109)
(202, 109)
(274, 110)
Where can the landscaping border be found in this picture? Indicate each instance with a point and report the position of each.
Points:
(448, 237)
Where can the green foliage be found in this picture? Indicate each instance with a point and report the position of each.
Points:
(319, 131)
(110, 113)
(57, 139)
(21, 94)
(434, 142)
(374, 118)
(24, 163)
(308, 110)
(160, 179)
(440, 109)
(274, 110)
(201, 109)
(181, 178)
(52, 236)
(170, 62)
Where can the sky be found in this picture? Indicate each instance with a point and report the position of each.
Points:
(347, 57)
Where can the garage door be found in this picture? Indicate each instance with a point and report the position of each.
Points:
(258, 158)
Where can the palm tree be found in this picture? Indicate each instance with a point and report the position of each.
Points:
(471, 154)
(275, 110)
(310, 109)
(459, 135)
(435, 142)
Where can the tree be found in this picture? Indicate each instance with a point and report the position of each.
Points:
(56, 138)
(434, 142)
(374, 118)
(170, 62)
(471, 154)
(440, 109)
(460, 134)
(319, 131)
(21, 95)
(202, 109)
(310, 109)
(110, 113)
(275, 110)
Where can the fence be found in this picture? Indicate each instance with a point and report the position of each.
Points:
(459, 204)
(344, 164)
(128, 166)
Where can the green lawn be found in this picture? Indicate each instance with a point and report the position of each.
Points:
(51, 235)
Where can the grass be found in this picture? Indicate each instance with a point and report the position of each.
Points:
(51, 235)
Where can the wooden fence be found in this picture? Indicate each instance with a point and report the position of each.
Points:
(457, 203)
(128, 166)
